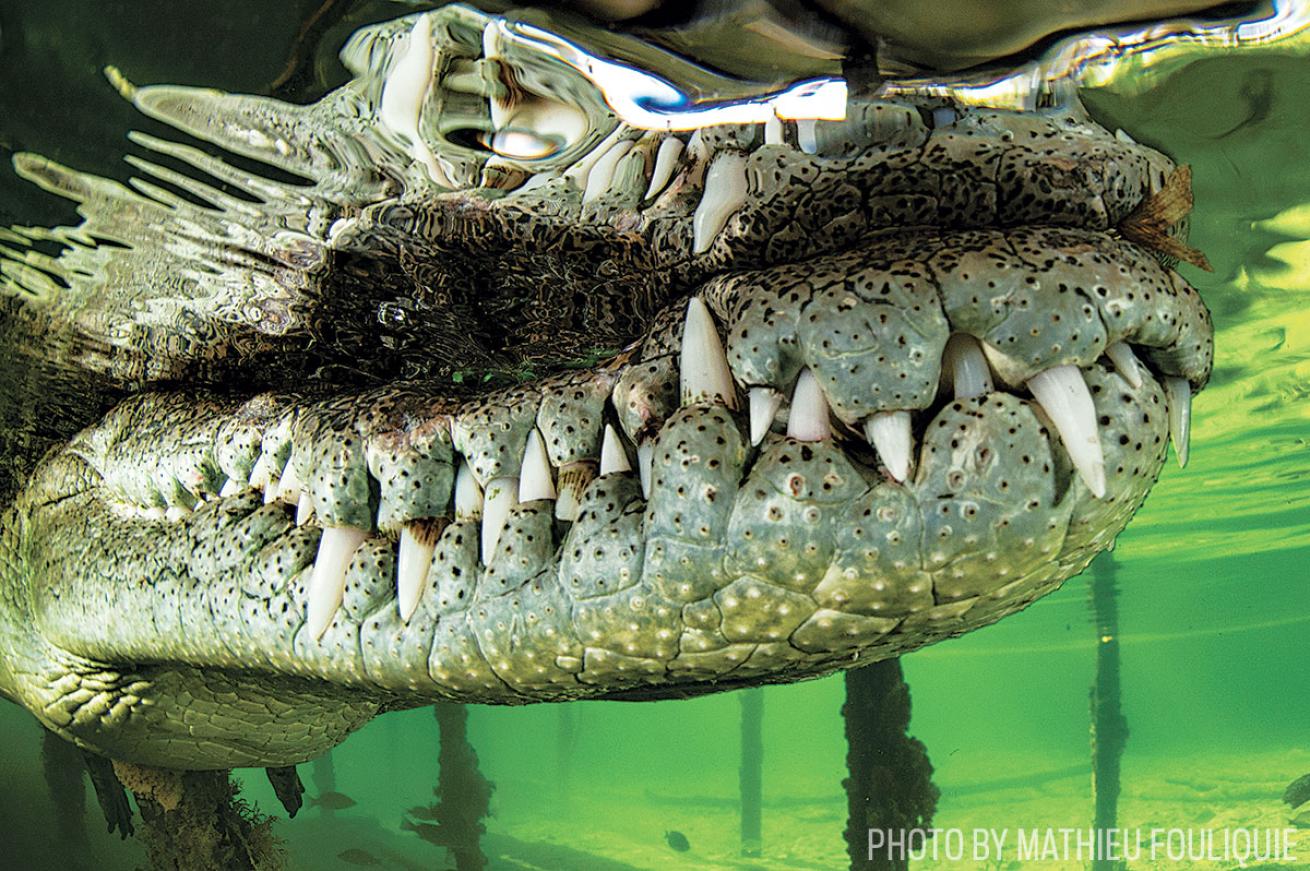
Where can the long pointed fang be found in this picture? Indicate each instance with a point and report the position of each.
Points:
(327, 583)
(1063, 395)
(764, 405)
(1125, 363)
(889, 433)
(1178, 393)
(725, 192)
(808, 420)
(535, 477)
(703, 366)
(613, 458)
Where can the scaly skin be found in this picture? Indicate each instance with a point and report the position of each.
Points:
(156, 579)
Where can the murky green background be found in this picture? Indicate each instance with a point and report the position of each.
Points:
(1214, 573)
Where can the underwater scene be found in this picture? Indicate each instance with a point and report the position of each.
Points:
(619, 434)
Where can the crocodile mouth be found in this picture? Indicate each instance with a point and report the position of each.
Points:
(501, 399)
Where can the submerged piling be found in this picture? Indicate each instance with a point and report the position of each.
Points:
(463, 794)
(1109, 730)
(61, 763)
(889, 782)
(750, 773)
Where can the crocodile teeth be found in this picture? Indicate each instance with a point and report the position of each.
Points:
(418, 539)
(534, 479)
(764, 403)
(968, 367)
(665, 161)
(703, 367)
(773, 131)
(613, 458)
(645, 460)
(304, 509)
(261, 475)
(889, 433)
(287, 489)
(725, 192)
(1062, 393)
(468, 495)
(1178, 392)
(402, 97)
(573, 481)
(501, 496)
(230, 488)
(808, 419)
(327, 584)
(807, 135)
(598, 180)
(1125, 362)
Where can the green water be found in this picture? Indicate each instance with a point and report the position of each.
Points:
(1213, 577)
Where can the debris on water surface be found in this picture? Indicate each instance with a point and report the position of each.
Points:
(677, 840)
(333, 801)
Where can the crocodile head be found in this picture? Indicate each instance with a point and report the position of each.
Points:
(457, 385)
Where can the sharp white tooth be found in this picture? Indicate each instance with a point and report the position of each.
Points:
(288, 488)
(598, 180)
(1178, 393)
(534, 478)
(666, 160)
(304, 509)
(703, 367)
(230, 488)
(573, 481)
(645, 461)
(176, 513)
(773, 131)
(468, 495)
(764, 404)
(613, 458)
(580, 171)
(889, 433)
(327, 583)
(502, 495)
(418, 539)
(968, 367)
(808, 418)
(1062, 393)
(806, 139)
(725, 192)
(1125, 362)
(261, 474)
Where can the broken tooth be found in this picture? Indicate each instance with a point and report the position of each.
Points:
(468, 495)
(613, 458)
(764, 405)
(725, 192)
(304, 509)
(666, 159)
(968, 367)
(1125, 362)
(534, 478)
(573, 481)
(808, 418)
(327, 583)
(501, 496)
(1178, 393)
(703, 366)
(598, 180)
(418, 538)
(1063, 395)
(645, 463)
(889, 433)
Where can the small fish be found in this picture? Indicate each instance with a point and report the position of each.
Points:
(1298, 791)
(677, 841)
(357, 857)
(333, 801)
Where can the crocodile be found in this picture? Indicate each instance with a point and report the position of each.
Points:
(460, 384)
